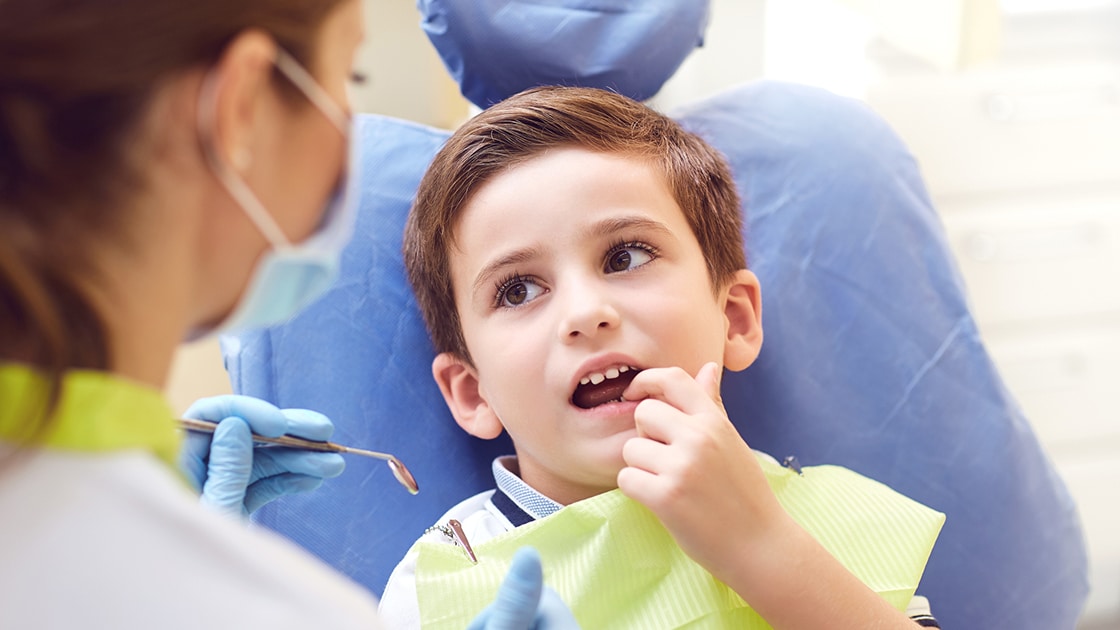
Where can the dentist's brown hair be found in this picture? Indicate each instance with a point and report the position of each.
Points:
(76, 81)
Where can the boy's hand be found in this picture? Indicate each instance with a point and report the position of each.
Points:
(691, 468)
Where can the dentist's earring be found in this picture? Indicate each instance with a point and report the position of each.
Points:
(242, 159)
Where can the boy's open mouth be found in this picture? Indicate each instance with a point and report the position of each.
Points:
(600, 388)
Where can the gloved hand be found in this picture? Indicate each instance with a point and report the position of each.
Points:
(235, 477)
(523, 602)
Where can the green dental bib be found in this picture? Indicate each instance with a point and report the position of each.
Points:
(616, 566)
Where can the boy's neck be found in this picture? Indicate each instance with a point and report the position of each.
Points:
(563, 495)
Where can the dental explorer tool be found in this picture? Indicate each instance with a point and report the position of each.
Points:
(397, 466)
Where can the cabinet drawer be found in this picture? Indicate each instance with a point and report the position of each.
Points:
(1093, 481)
(999, 128)
(1038, 258)
(1066, 382)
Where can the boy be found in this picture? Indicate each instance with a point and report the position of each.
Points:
(578, 258)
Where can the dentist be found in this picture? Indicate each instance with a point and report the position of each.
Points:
(168, 170)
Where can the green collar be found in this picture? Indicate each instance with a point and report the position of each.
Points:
(97, 413)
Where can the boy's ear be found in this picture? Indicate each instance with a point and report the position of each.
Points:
(458, 382)
(743, 310)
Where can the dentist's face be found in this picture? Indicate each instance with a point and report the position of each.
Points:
(572, 271)
(294, 156)
(308, 156)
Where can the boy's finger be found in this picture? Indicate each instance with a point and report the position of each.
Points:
(645, 454)
(658, 420)
(709, 377)
(640, 485)
(672, 385)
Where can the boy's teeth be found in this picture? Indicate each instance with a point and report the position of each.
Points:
(600, 388)
(598, 377)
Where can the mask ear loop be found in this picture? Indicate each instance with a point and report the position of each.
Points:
(314, 92)
(234, 185)
(295, 72)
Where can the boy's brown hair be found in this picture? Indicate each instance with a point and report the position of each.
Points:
(531, 122)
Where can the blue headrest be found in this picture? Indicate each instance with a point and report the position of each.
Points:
(496, 48)
(871, 360)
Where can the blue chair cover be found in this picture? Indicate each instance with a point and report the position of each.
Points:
(496, 48)
(871, 358)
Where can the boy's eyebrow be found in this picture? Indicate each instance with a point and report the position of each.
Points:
(607, 226)
(613, 225)
(513, 258)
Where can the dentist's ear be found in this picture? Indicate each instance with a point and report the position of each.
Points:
(243, 80)
(458, 382)
(743, 312)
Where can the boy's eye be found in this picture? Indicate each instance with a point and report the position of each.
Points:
(518, 291)
(627, 257)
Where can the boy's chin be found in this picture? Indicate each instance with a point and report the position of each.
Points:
(612, 463)
(603, 485)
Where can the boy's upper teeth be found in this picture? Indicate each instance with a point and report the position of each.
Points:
(595, 378)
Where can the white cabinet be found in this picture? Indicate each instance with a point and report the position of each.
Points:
(1022, 159)
(1067, 383)
(1038, 257)
(1054, 123)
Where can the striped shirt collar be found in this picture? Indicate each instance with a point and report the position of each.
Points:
(521, 497)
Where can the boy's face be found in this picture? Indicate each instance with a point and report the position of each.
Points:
(579, 267)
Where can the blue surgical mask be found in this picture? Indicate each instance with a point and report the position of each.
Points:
(290, 275)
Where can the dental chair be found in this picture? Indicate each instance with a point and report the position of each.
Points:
(871, 357)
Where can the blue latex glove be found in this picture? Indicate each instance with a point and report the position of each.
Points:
(523, 602)
(236, 478)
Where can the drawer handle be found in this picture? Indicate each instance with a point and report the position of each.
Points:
(1068, 242)
(1067, 104)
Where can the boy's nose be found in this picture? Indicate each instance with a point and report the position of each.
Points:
(588, 314)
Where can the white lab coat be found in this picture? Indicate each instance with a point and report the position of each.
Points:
(116, 541)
